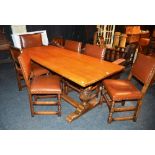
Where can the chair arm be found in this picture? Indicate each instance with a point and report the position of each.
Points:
(119, 61)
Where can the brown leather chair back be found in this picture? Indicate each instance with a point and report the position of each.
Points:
(94, 51)
(73, 45)
(31, 40)
(25, 63)
(58, 42)
(143, 68)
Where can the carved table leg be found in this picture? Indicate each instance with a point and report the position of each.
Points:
(89, 101)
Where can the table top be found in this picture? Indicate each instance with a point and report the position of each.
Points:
(79, 68)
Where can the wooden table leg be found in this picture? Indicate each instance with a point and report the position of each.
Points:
(89, 101)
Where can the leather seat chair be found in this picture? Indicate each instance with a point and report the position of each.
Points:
(40, 87)
(15, 52)
(94, 51)
(119, 91)
(37, 70)
(73, 45)
(33, 40)
(59, 42)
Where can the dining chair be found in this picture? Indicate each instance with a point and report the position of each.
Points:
(101, 53)
(73, 45)
(33, 40)
(15, 52)
(43, 87)
(56, 41)
(94, 51)
(37, 70)
(120, 91)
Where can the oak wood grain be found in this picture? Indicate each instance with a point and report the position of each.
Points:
(79, 68)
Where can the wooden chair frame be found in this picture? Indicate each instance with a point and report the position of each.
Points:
(111, 103)
(33, 97)
(15, 52)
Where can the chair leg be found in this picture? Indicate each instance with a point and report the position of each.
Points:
(123, 103)
(139, 104)
(66, 88)
(59, 104)
(35, 97)
(111, 112)
(19, 83)
(31, 105)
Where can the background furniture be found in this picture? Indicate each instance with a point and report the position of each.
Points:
(4, 47)
(105, 32)
(144, 45)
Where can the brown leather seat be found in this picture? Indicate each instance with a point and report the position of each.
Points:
(45, 84)
(37, 70)
(40, 87)
(73, 45)
(119, 91)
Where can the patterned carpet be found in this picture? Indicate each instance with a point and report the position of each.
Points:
(15, 113)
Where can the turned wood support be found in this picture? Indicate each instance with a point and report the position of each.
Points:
(116, 39)
(123, 41)
(86, 95)
(90, 98)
